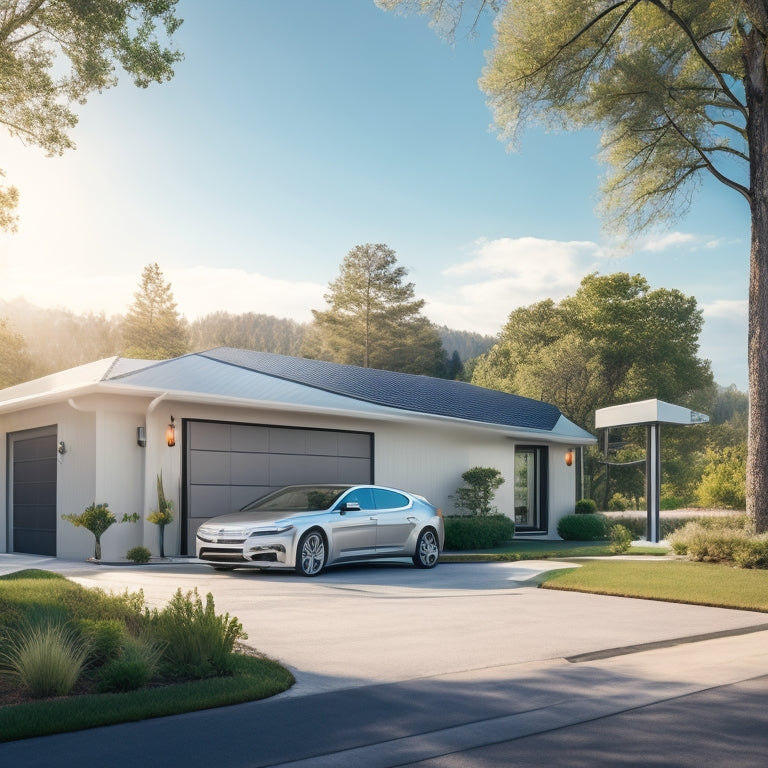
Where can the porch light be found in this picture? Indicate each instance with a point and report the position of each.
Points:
(141, 437)
(170, 434)
(569, 457)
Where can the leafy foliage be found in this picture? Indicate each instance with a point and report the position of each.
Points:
(585, 507)
(614, 340)
(54, 54)
(723, 481)
(476, 497)
(139, 555)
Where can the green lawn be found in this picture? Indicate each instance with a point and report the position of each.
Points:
(676, 581)
(520, 549)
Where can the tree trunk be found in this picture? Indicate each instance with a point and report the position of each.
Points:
(97, 549)
(757, 354)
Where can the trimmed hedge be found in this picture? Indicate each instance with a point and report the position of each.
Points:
(477, 531)
(590, 527)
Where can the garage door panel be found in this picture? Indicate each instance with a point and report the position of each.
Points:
(323, 443)
(210, 500)
(354, 444)
(210, 436)
(249, 469)
(295, 470)
(210, 467)
(291, 441)
(245, 494)
(33, 492)
(354, 470)
(250, 439)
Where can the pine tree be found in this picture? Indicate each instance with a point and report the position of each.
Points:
(152, 329)
(373, 319)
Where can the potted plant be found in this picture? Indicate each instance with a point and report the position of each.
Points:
(97, 518)
(163, 515)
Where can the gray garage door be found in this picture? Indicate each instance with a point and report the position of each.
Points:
(33, 491)
(227, 465)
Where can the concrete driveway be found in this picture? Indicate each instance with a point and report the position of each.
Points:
(455, 658)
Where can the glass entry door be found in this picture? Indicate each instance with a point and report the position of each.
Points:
(530, 487)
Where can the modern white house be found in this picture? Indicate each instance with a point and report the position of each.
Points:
(228, 425)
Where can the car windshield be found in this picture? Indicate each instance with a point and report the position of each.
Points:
(305, 498)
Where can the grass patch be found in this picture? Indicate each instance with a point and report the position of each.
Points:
(253, 678)
(675, 581)
(128, 647)
(544, 550)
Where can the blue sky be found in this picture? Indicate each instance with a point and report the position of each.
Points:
(293, 132)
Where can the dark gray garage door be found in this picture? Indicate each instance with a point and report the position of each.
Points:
(227, 465)
(33, 492)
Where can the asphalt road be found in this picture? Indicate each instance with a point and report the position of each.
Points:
(465, 665)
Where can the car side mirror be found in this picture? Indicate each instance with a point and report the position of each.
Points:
(350, 506)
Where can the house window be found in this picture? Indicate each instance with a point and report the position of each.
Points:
(530, 487)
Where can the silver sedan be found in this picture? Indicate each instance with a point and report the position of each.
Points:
(308, 527)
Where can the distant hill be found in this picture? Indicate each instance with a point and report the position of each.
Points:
(467, 343)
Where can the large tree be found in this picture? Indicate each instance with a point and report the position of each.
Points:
(679, 89)
(373, 318)
(153, 329)
(615, 340)
(55, 53)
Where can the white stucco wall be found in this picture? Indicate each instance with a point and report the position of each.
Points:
(103, 462)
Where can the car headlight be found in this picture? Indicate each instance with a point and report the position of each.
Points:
(271, 530)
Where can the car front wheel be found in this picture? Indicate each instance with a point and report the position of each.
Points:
(427, 549)
(311, 554)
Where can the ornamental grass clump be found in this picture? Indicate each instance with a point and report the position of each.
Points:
(46, 659)
(198, 643)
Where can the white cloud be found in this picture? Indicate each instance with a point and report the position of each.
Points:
(726, 309)
(670, 240)
(508, 273)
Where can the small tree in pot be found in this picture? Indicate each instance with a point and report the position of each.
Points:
(97, 518)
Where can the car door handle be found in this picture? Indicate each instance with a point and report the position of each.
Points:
(412, 519)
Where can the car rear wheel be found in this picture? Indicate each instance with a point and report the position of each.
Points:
(311, 554)
(427, 549)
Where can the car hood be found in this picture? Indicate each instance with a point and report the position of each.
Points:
(255, 517)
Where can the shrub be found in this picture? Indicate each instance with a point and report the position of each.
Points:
(723, 483)
(586, 507)
(139, 555)
(621, 539)
(671, 502)
(472, 532)
(132, 669)
(584, 527)
(477, 496)
(198, 643)
(104, 638)
(752, 553)
(45, 658)
(711, 539)
(618, 503)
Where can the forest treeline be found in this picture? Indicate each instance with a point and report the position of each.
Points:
(57, 339)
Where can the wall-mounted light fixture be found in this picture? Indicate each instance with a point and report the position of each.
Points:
(170, 434)
(141, 437)
(61, 448)
(569, 457)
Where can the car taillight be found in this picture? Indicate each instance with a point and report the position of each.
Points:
(439, 512)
